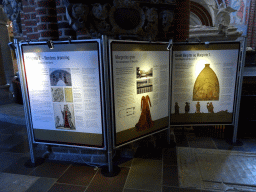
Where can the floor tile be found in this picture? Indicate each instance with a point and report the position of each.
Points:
(181, 141)
(22, 147)
(66, 188)
(189, 190)
(7, 159)
(201, 142)
(123, 162)
(170, 156)
(18, 167)
(12, 141)
(50, 170)
(134, 190)
(149, 153)
(15, 183)
(77, 175)
(42, 185)
(170, 189)
(145, 168)
(4, 137)
(170, 176)
(108, 184)
(189, 171)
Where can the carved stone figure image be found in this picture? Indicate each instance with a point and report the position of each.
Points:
(177, 108)
(187, 107)
(206, 86)
(198, 107)
(210, 107)
(145, 121)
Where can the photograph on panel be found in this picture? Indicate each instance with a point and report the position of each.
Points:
(144, 85)
(68, 95)
(60, 77)
(57, 94)
(64, 116)
(144, 72)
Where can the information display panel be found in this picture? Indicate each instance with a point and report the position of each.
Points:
(140, 87)
(64, 92)
(204, 83)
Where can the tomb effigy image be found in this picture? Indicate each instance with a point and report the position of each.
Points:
(60, 77)
(206, 87)
(145, 121)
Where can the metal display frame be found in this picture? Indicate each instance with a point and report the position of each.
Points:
(238, 84)
(27, 109)
(111, 76)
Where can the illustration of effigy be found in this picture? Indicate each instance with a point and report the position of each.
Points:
(206, 86)
(145, 121)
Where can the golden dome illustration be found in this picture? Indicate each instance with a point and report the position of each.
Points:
(206, 87)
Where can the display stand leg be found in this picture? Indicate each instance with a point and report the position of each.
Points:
(110, 170)
(33, 162)
(170, 143)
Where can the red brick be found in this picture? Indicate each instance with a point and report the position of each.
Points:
(24, 2)
(59, 18)
(31, 2)
(28, 9)
(46, 3)
(49, 34)
(30, 23)
(58, 3)
(61, 10)
(33, 36)
(42, 27)
(26, 16)
(33, 16)
(41, 11)
(29, 29)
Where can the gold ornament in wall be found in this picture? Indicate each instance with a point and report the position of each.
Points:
(206, 86)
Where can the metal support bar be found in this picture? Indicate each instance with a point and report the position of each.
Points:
(239, 89)
(109, 171)
(25, 103)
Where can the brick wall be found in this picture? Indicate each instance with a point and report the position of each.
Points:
(29, 29)
(182, 20)
(46, 19)
(64, 30)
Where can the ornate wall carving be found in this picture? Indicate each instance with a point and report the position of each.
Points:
(142, 20)
(12, 8)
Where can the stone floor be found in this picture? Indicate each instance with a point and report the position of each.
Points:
(196, 164)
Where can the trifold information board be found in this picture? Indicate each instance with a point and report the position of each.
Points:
(64, 91)
(204, 83)
(140, 88)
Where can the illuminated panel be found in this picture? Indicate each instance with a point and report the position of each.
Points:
(203, 83)
(140, 89)
(64, 93)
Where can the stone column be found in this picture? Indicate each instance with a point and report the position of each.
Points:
(7, 65)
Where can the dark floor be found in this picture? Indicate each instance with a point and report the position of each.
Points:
(152, 169)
